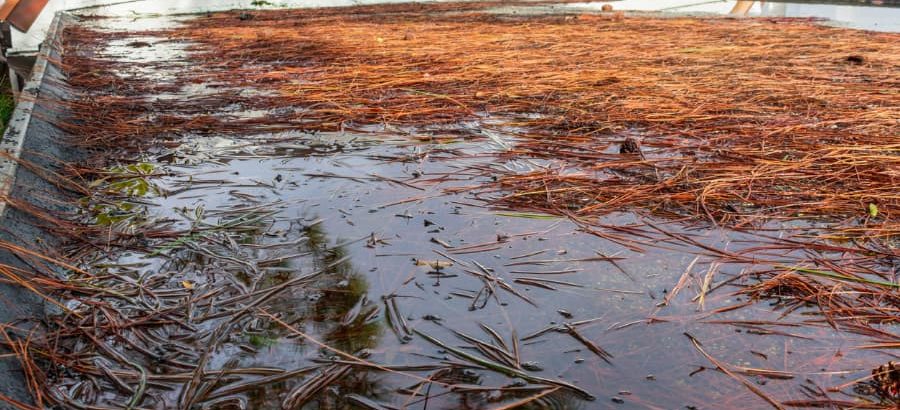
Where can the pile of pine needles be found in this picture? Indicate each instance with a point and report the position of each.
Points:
(735, 121)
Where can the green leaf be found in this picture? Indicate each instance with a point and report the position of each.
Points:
(143, 168)
(873, 210)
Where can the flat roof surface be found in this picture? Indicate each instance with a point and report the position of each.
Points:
(483, 206)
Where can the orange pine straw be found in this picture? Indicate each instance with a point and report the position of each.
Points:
(737, 121)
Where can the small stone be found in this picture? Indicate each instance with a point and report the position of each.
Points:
(630, 146)
(855, 59)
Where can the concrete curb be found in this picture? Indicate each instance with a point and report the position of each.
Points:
(14, 137)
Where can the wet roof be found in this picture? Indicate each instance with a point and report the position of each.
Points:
(348, 236)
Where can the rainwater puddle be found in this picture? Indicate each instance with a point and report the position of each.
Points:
(398, 256)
